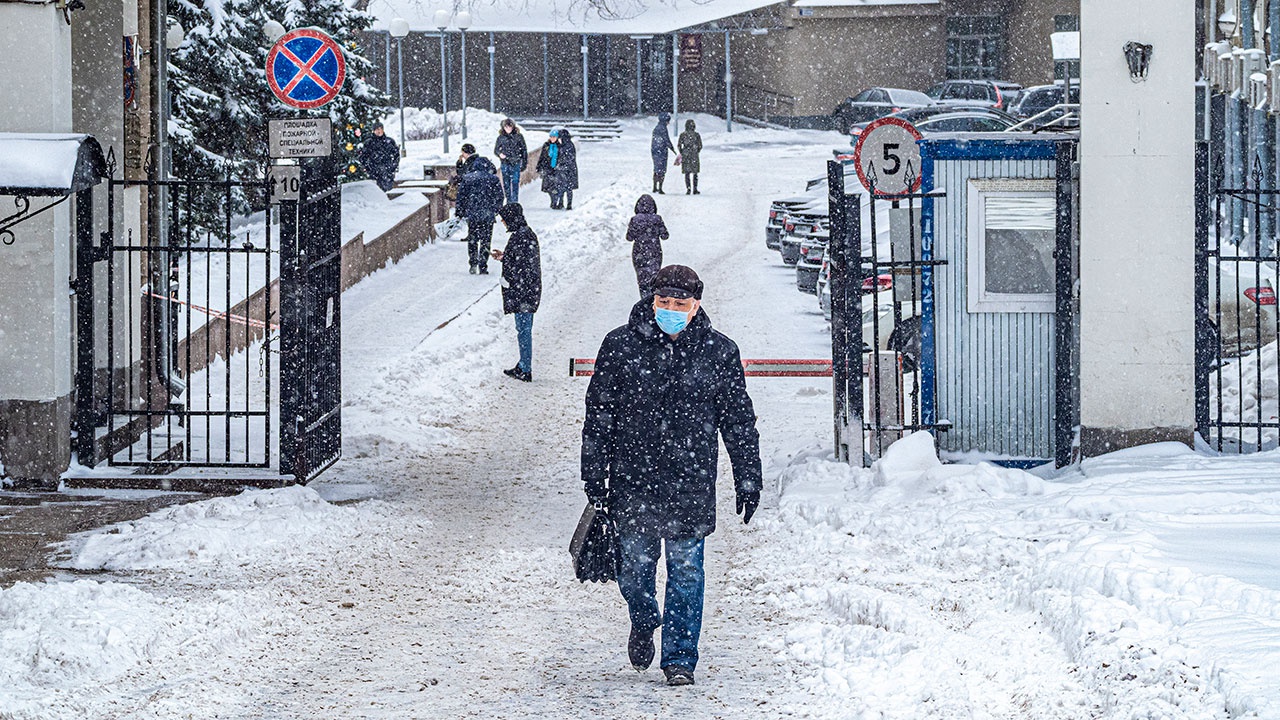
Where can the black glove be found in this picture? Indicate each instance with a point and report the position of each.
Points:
(747, 504)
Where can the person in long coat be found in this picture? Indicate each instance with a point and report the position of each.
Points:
(479, 197)
(567, 173)
(665, 384)
(521, 283)
(549, 164)
(646, 233)
(690, 144)
(380, 157)
(659, 147)
(513, 158)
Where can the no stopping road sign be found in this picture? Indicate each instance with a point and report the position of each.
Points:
(306, 68)
(887, 157)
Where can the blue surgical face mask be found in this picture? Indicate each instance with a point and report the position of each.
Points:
(671, 321)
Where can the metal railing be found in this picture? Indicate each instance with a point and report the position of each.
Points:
(1070, 111)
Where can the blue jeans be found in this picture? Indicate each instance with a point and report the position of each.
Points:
(511, 182)
(681, 623)
(524, 334)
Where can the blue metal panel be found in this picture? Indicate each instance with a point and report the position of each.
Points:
(994, 371)
(989, 146)
(928, 354)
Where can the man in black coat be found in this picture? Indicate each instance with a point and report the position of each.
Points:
(664, 385)
(521, 284)
(380, 157)
(513, 155)
(479, 197)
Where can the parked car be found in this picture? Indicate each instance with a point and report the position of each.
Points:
(812, 251)
(798, 225)
(953, 118)
(1248, 306)
(1035, 100)
(877, 317)
(996, 93)
(778, 210)
(875, 103)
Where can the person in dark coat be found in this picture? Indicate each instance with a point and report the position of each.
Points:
(664, 385)
(646, 233)
(479, 197)
(380, 157)
(567, 172)
(513, 157)
(690, 144)
(548, 164)
(521, 283)
(659, 147)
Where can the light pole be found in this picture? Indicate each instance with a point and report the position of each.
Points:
(399, 28)
(442, 22)
(463, 21)
(492, 97)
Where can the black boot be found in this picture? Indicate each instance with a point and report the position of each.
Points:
(640, 648)
(695, 184)
(660, 181)
(655, 183)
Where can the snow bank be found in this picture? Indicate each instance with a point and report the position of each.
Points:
(428, 124)
(270, 527)
(1250, 390)
(1106, 570)
(63, 645)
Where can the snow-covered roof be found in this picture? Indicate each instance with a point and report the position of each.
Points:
(49, 163)
(633, 17)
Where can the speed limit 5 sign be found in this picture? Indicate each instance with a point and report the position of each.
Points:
(887, 157)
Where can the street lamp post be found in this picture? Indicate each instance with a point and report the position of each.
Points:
(463, 21)
(399, 28)
(492, 97)
(442, 22)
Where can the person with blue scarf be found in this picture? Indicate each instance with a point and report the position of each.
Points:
(548, 164)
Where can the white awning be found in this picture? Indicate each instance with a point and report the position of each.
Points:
(49, 163)
(635, 17)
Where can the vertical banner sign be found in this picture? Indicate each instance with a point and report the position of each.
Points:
(306, 68)
(690, 53)
(130, 71)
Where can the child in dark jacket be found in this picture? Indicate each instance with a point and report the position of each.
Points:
(646, 233)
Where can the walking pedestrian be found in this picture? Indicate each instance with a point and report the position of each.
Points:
(690, 144)
(659, 147)
(646, 233)
(479, 197)
(380, 157)
(521, 283)
(567, 172)
(548, 163)
(513, 157)
(664, 385)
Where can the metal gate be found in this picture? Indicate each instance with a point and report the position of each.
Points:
(1237, 374)
(178, 338)
(881, 322)
(311, 328)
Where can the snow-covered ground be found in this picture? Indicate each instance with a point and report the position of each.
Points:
(426, 575)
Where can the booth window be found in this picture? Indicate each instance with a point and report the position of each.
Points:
(1010, 249)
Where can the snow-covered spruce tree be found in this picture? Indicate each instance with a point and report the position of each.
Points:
(221, 100)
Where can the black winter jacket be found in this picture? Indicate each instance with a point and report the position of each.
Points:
(479, 190)
(521, 264)
(512, 145)
(646, 233)
(654, 407)
(380, 157)
(567, 164)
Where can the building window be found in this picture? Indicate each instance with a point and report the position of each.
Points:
(975, 47)
(1012, 232)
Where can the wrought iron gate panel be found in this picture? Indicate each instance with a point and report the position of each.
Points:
(1237, 374)
(187, 381)
(311, 315)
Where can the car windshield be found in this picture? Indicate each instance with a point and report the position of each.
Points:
(935, 92)
(908, 97)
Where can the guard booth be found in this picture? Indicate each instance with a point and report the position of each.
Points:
(981, 306)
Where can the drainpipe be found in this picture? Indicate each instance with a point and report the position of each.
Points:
(158, 197)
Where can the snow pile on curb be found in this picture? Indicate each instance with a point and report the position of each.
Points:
(428, 124)
(974, 590)
(65, 645)
(261, 527)
(1244, 400)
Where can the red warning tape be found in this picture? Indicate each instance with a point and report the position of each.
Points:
(240, 319)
